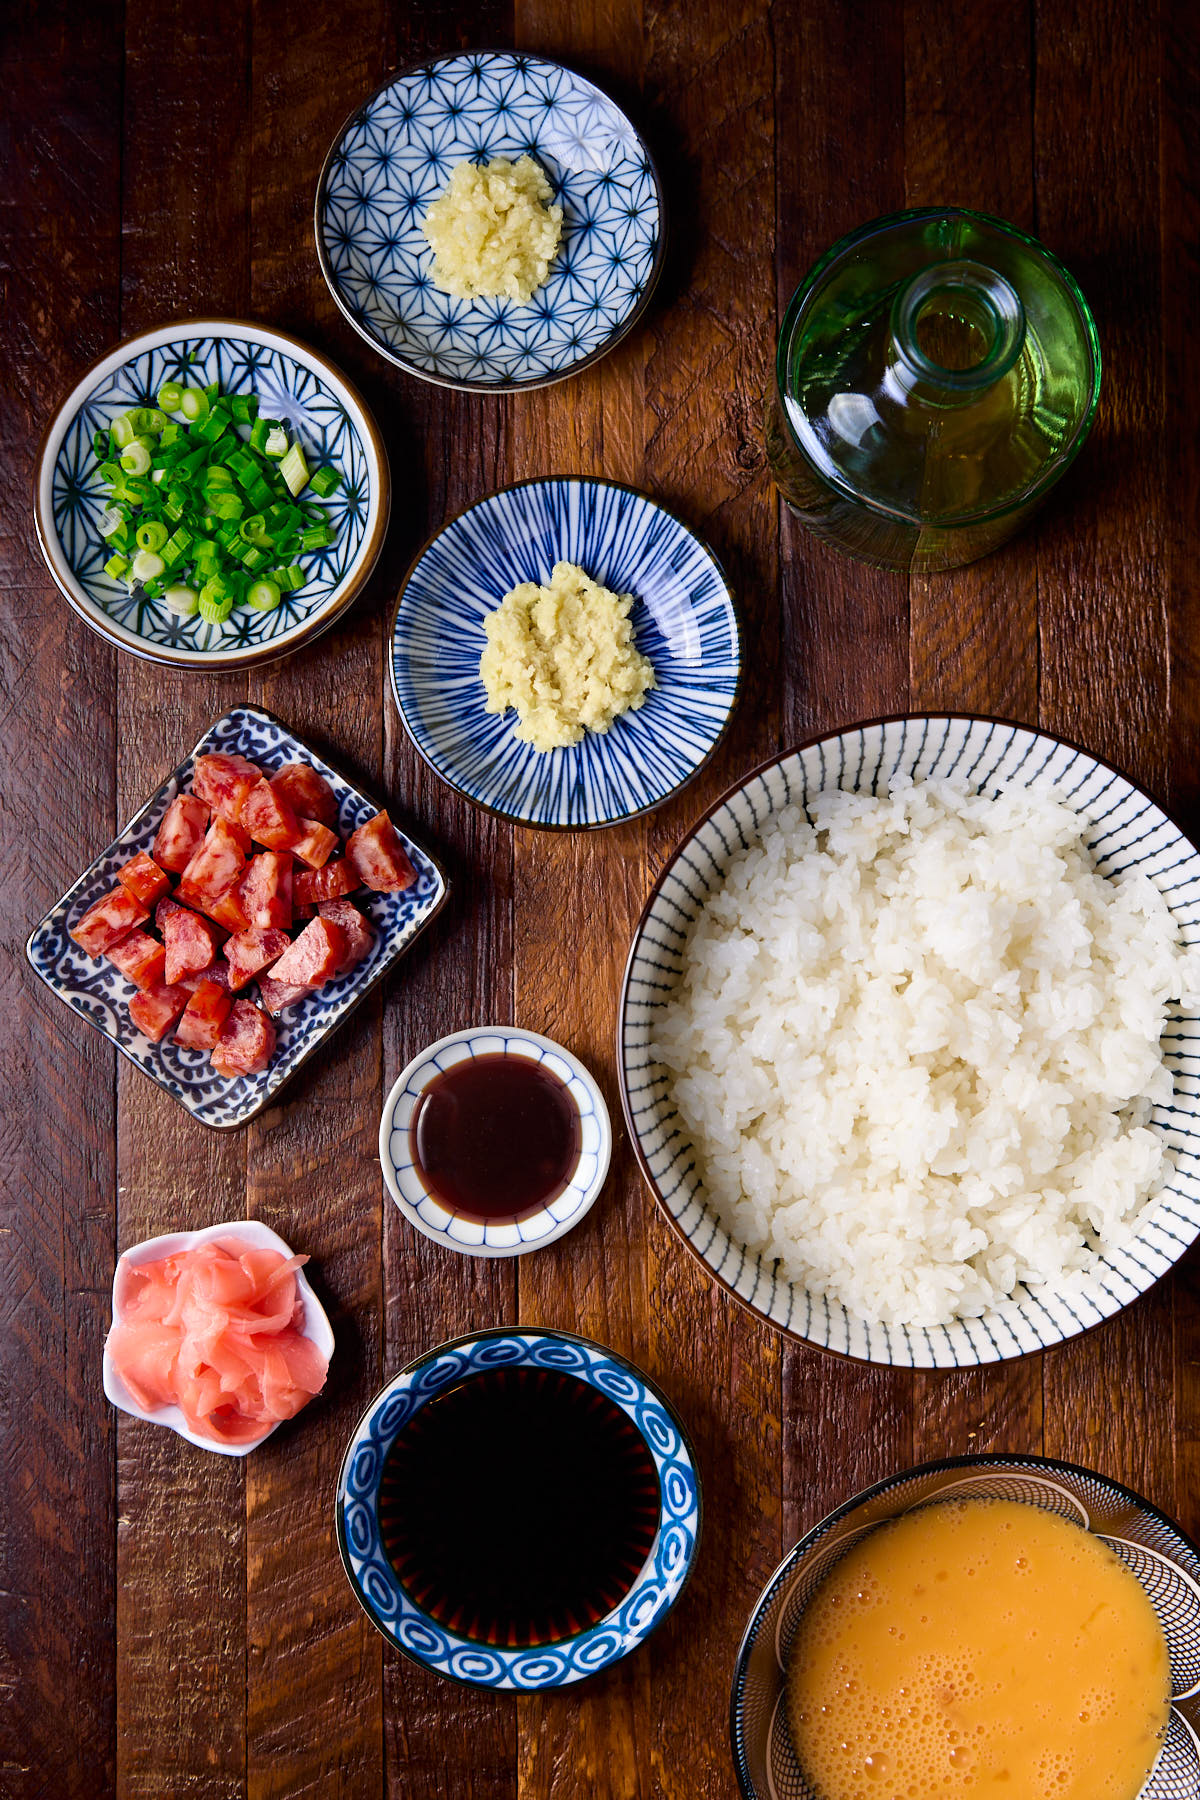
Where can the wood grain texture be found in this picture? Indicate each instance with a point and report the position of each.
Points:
(177, 1623)
(181, 1609)
(59, 269)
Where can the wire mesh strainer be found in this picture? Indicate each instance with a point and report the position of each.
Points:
(1163, 1559)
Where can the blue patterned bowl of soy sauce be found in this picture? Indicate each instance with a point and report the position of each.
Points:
(684, 620)
(518, 1509)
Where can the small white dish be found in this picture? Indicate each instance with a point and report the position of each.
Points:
(475, 1237)
(250, 1231)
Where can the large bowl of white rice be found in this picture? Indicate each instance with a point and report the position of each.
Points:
(909, 1041)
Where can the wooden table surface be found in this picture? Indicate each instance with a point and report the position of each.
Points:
(176, 1623)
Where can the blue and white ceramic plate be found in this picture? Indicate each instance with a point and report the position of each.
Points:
(100, 994)
(683, 617)
(1122, 827)
(654, 1592)
(314, 1326)
(494, 1237)
(295, 385)
(394, 157)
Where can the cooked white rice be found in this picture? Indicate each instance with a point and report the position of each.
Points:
(917, 1044)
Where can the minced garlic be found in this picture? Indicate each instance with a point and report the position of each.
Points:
(564, 657)
(494, 231)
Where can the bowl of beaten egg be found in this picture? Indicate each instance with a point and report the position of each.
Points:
(490, 221)
(624, 612)
(907, 1041)
(987, 1625)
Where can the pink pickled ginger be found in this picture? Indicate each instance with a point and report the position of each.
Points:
(217, 1331)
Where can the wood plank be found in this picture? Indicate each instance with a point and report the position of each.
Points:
(1180, 214)
(447, 450)
(60, 146)
(973, 631)
(845, 627)
(314, 1661)
(181, 1548)
(1102, 586)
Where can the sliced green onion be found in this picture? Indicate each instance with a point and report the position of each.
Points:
(152, 536)
(227, 506)
(316, 537)
(170, 396)
(153, 590)
(182, 600)
(263, 596)
(136, 459)
(116, 566)
(216, 601)
(289, 579)
(124, 429)
(258, 433)
(152, 421)
(100, 445)
(244, 408)
(147, 566)
(277, 442)
(194, 404)
(326, 481)
(111, 520)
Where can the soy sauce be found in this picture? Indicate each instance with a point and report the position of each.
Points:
(518, 1507)
(495, 1137)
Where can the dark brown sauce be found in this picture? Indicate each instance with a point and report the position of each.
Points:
(519, 1507)
(495, 1137)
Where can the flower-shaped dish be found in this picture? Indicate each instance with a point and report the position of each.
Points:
(172, 1243)
(1124, 829)
(494, 1237)
(683, 617)
(295, 385)
(1150, 1545)
(656, 1588)
(393, 158)
(99, 993)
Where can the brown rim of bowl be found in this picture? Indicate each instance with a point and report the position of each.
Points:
(323, 1039)
(306, 633)
(770, 762)
(498, 812)
(492, 387)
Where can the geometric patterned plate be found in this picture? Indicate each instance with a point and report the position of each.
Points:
(525, 1669)
(683, 619)
(296, 385)
(394, 156)
(99, 993)
(1150, 1545)
(1122, 827)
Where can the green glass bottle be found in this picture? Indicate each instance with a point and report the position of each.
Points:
(937, 373)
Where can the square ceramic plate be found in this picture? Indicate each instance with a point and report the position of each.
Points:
(100, 994)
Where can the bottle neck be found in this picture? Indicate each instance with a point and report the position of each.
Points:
(956, 329)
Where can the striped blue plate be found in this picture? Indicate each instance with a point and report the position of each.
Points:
(684, 621)
(1124, 829)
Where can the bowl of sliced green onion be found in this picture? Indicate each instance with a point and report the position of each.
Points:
(211, 494)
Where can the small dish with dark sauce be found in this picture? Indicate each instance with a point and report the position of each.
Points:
(495, 1141)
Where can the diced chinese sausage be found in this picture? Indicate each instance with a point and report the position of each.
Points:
(143, 878)
(156, 1009)
(218, 973)
(181, 833)
(315, 956)
(191, 944)
(225, 782)
(269, 819)
(376, 852)
(216, 865)
(277, 996)
(246, 1042)
(253, 950)
(140, 958)
(265, 893)
(316, 845)
(108, 921)
(360, 933)
(330, 883)
(307, 793)
(204, 1015)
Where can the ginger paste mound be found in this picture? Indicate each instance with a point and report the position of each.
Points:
(564, 657)
(494, 232)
